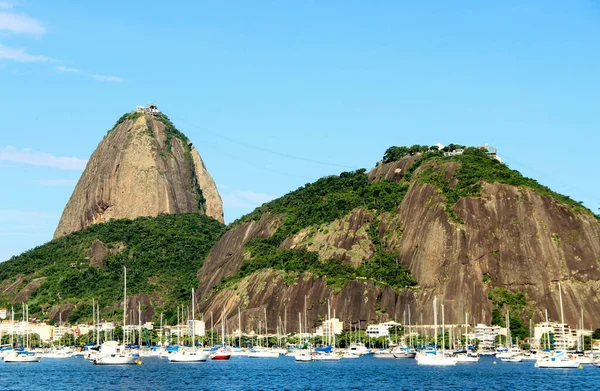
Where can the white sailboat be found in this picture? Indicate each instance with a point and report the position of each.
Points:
(432, 356)
(192, 354)
(111, 352)
(559, 359)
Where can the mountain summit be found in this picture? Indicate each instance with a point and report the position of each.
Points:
(143, 167)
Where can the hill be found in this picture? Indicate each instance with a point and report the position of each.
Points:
(466, 228)
(163, 253)
(144, 166)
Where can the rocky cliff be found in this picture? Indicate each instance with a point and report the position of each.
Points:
(471, 232)
(142, 167)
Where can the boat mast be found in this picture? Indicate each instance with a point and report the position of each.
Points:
(124, 300)
(562, 317)
(435, 321)
(193, 320)
(240, 325)
(223, 329)
(443, 333)
(548, 329)
(266, 330)
(139, 324)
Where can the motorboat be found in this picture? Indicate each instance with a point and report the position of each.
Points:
(404, 352)
(557, 360)
(327, 357)
(303, 356)
(21, 356)
(111, 353)
(383, 354)
(262, 353)
(188, 356)
(468, 357)
(434, 358)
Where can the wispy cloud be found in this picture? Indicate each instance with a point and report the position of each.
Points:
(20, 55)
(244, 199)
(57, 182)
(20, 216)
(29, 156)
(19, 23)
(67, 69)
(107, 78)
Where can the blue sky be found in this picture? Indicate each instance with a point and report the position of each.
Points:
(277, 94)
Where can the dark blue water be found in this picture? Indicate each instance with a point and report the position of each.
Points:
(365, 373)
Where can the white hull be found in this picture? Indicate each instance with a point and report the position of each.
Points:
(513, 359)
(435, 359)
(350, 355)
(553, 362)
(263, 354)
(327, 357)
(303, 357)
(188, 357)
(116, 360)
(16, 357)
(384, 355)
(464, 359)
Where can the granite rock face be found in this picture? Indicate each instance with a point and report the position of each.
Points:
(508, 237)
(140, 168)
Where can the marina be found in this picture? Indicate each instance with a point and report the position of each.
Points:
(284, 373)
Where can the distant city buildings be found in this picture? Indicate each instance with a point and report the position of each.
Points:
(381, 329)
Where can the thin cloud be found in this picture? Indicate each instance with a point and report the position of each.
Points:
(5, 5)
(19, 23)
(29, 156)
(107, 78)
(20, 216)
(67, 69)
(244, 199)
(21, 55)
(57, 182)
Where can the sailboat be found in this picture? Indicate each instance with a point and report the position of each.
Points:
(302, 355)
(193, 354)
(431, 356)
(111, 353)
(327, 353)
(22, 356)
(222, 353)
(559, 359)
(260, 352)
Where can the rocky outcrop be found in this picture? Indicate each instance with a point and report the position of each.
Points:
(518, 239)
(141, 168)
(227, 255)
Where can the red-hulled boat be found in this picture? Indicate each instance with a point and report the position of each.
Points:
(221, 354)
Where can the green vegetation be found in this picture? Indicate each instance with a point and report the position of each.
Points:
(321, 202)
(172, 131)
(476, 166)
(328, 199)
(513, 303)
(131, 116)
(163, 255)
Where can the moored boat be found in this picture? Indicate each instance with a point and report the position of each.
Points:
(21, 356)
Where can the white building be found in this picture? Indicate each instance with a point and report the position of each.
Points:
(381, 329)
(196, 327)
(330, 327)
(561, 336)
(487, 335)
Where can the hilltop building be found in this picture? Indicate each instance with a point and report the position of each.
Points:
(150, 108)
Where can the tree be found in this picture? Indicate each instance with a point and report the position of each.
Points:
(596, 334)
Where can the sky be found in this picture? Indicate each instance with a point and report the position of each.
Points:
(276, 94)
